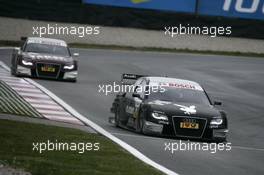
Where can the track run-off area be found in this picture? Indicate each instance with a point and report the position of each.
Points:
(236, 81)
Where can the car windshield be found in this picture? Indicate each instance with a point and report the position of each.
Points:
(180, 95)
(47, 48)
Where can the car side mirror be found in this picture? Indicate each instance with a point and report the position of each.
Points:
(76, 54)
(217, 103)
(136, 95)
(17, 49)
(23, 38)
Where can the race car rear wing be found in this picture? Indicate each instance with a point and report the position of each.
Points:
(130, 78)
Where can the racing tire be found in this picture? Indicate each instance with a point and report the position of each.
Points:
(13, 71)
(72, 81)
(117, 120)
(141, 124)
(222, 140)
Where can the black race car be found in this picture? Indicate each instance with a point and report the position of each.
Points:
(44, 58)
(169, 107)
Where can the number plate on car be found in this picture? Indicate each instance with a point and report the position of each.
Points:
(47, 69)
(189, 125)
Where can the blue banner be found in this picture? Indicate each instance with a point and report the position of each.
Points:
(253, 9)
(168, 5)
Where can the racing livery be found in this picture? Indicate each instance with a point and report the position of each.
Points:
(44, 58)
(169, 107)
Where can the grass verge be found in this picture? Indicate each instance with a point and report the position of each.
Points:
(16, 151)
(116, 47)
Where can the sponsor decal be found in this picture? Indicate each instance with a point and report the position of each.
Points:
(253, 9)
(187, 110)
(45, 57)
(159, 102)
(130, 110)
(38, 41)
(168, 5)
(139, 1)
(179, 85)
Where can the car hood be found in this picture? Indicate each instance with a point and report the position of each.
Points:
(45, 57)
(183, 109)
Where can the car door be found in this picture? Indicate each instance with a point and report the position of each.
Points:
(125, 104)
(133, 105)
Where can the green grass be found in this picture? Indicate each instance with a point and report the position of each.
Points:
(116, 47)
(16, 151)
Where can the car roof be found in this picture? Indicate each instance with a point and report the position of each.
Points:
(174, 82)
(50, 41)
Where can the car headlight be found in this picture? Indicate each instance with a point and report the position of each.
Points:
(216, 121)
(70, 67)
(27, 63)
(159, 116)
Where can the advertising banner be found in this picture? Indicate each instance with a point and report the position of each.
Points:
(253, 9)
(168, 5)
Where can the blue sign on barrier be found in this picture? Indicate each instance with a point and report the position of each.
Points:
(232, 8)
(169, 5)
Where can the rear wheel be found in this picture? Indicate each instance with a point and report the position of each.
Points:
(117, 118)
(14, 70)
(220, 140)
(140, 123)
(72, 80)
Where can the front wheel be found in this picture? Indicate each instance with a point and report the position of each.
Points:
(14, 70)
(220, 140)
(72, 80)
(140, 125)
(117, 118)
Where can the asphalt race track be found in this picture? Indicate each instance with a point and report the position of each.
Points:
(237, 81)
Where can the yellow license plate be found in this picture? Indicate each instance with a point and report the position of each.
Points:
(189, 125)
(47, 69)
